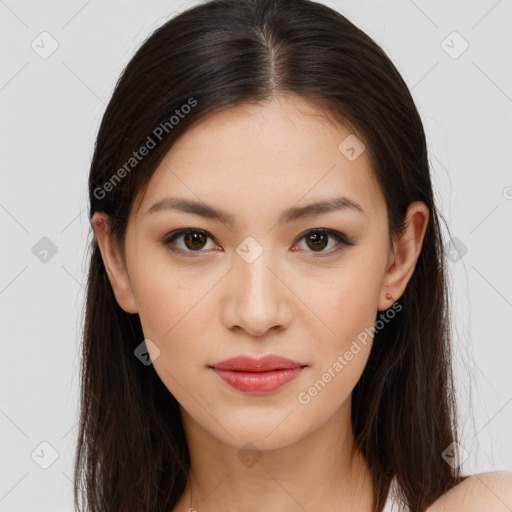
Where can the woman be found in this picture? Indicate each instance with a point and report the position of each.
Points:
(267, 323)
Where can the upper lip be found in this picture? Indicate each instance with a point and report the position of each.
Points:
(264, 364)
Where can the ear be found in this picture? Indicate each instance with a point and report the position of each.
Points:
(114, 263)
(405, 254)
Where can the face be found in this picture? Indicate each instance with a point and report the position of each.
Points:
(254, 279)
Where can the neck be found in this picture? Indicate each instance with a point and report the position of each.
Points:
(320, 472)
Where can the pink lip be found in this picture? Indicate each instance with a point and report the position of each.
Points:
(257, 376)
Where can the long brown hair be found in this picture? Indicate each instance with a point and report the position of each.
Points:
(132, 453)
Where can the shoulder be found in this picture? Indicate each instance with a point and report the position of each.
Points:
(485, 491)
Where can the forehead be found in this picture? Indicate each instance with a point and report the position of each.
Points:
(272, 153)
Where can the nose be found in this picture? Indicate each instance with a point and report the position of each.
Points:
(257, 296)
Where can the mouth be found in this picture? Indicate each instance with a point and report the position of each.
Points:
(257, 376)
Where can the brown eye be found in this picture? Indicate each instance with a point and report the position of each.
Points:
(193, 240)
(317, 240)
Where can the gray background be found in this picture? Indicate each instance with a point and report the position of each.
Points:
(50, 112)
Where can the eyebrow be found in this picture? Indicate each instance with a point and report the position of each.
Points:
(288, 215)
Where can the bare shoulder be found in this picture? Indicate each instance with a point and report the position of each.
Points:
(485, 491)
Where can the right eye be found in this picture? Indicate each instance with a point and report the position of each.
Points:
(193, 240)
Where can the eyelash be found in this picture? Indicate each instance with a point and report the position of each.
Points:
(340, 237)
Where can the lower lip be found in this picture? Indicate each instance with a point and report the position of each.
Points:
(258, 383)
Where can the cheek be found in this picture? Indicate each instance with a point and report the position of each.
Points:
(340, 355)
(171, 318)
(175, 311)
(346, 305)
(166, 295)
(171, 315)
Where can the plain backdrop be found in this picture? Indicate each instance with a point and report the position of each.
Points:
(455, 57)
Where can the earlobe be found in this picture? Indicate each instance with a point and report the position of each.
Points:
(405, 254)
(114, 264)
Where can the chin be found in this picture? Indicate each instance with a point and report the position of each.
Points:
(277, 429)
(258, 439)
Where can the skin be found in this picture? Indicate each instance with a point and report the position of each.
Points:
(255, 161)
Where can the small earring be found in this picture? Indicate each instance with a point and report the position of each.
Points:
(389, 296)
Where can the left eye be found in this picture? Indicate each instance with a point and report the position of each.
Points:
(318, 239)
(194, 240)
